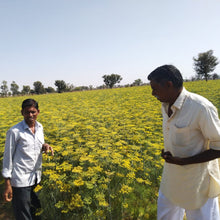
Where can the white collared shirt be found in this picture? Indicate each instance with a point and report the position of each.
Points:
(193, 127)
(22, 156)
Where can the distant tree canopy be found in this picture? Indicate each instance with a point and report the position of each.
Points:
(61, 86)
(50, 89)
(14, 88)
(111, 80)
(26, 90)
(215, 76)
(137, 82)
(69, 87)
(205, 63)
(4, 88)
(38, 87)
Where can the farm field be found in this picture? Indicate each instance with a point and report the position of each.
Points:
(107, 146)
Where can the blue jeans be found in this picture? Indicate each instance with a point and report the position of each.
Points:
(25, 203)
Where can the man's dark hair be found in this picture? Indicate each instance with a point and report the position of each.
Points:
(166, 73)
(29, 103)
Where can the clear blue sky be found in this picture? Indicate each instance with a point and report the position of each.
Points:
(79, 41)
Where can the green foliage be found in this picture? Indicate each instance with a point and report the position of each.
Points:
(38, 88)
(215, 76)
(111, 80)
(107, 144)
(137, 82)
(205, 63)
(4, 88)
(61, 86)
(50, 89)
(14, 88)
(26, 90)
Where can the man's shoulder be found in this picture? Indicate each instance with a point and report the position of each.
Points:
(16, 127)
(199, 100)
(39, 124)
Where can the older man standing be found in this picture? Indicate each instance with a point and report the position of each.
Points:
(191, 127)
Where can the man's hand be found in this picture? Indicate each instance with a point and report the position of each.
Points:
(168, 157)
(46, 148)
(8, 191)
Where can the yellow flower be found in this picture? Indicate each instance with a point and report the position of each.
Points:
(75, 202)
(126, 189)
(37, 188)
(125, 205)
(78, 182)
(104, 141)
(77, 169)
(101, 199)
(131, 175)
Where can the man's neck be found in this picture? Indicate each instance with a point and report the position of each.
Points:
(175, 96)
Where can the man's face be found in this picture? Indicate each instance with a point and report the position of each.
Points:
(30, 114)
(161, 92)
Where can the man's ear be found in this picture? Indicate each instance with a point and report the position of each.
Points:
(169, 84)
(22, 111)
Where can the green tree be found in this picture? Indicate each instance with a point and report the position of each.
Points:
(215, 76)
(26, 90)
(111, 80)
(4, 88)
(137, 82)
(69, 87)
(50, 89)
(205, 63)
(14, 88)
(38, 87)
(61, 86)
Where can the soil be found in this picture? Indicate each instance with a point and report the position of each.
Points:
(6, 212)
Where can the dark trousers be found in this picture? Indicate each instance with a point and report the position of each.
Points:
(25, 203)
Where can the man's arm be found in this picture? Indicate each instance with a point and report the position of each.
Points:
(198, 158)
(7, 164)
(209, 124)
(8, 190)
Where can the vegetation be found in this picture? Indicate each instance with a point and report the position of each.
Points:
(204, 64)
(26, 90)
(137, 82)
(107, 144)
(4, 88)
(61, 86)
(111, 80)
(14, 88)
(38, 88)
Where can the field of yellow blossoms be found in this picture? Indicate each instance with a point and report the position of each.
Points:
(107, 146)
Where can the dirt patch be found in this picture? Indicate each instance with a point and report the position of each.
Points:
(6, 212)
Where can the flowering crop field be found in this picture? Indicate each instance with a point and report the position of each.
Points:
(107, 144)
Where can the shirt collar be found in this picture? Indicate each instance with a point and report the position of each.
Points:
(37, 125)
(180, 100)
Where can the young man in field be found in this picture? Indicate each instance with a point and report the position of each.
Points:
(191, 127)
(23, 160)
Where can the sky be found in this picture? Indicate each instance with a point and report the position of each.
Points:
(79, 41)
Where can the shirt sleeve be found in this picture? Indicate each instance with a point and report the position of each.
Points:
(210, 126)
(10, 145)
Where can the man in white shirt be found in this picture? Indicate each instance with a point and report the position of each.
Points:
(22, 162)
(191, 127)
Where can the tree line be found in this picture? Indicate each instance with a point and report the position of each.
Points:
(204, 65)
